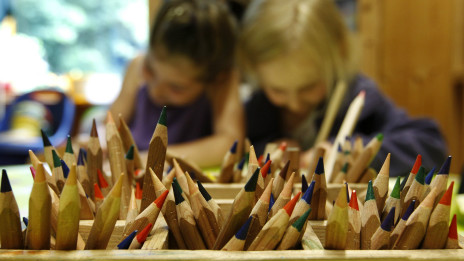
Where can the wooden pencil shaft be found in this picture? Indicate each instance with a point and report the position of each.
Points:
(38, 232)
(10, 224)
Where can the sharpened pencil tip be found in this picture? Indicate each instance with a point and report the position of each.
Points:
(403, 183)
(304, 184)
(291, 204)
(320, 167)
(101, 179)
(163, 119)
(428, 178)
(97, 191)
(387, 223)
(6, 186)
(117, 188)
(233, 149)
(379, 137)
(354, 200)
(160, 200)
(420, 176)
(176, 183)
(142, 236)
(409, 210)
(444, 170)
(271, 202)
(396, 193)
(417, 164)
(125, 243)
(284, 170)
(241, 164)
(69, 148)
(308, 195)
(446, 198)
(177, 193)
(203, 191)
(283, 146)
(370, 191)
(65, 169)
(56, 159)
(251, 184)
(138, 191)
(453, 229)
(130, 153)
(25, 221)
(93, 132)
(45, 139)
(243, 231)
(299, 223)
(80, 158)
(109, 118)
(266, 168)
(347, 193)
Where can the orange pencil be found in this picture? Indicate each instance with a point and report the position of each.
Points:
(94, 156)
(141, 237)
(410, 179)
(261, 180)
(353, 236)
(99, 198)
(103, 184)
(452, 242)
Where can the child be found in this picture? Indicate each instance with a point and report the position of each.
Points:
(190, 69)
(298, 50)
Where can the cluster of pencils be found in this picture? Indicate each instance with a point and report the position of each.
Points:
(415, 215)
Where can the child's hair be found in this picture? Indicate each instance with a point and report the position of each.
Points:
(314, 28)
(202, 31)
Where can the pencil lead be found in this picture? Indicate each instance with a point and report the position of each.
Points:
(160, 200)
(428, 178)
(370, 191)
(417, 164)
(241, 164)
(354, 200)
(387, 223)
(69, 148)
(345, 168)
(268, 158)
(80, 158)
(347, 193)
(25, 221)
(403, 183)
(6, 186)
(251, 184)
(177, 194)
(125, 243)
(339, 149)
(163, 119)
(453, 229)
(130, 153)
(45, 139)
(32, 172)
(284, 170)
(97, 191)
(446, 198)
(233, 149)
(93, 132)
(308, 194)
(299, 223)
(420, 176)
(396, 193)
(266, 168)
(409, 210)
(271, 202)
(65, 169)
(291, 204)
(320, 167)
(243, 231)
(138, 191)
(444, 170)
(176, 183)
(56, 159)
(304, 183)
(203, 191)
(101, 179)
(142, 236)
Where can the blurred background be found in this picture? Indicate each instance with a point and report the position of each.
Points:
(413, 49)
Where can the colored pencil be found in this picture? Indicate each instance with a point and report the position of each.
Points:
(149, 215)
(133, 209)
(227, 169)
(68, 214)
(399, 228)
(302, 205)
(240, 210)
(237, 242)
(436, 235)
(284, 197)
(277, 155)
(48, 147)
(128, 141)
(87, 205)
(130, 164)
(138, 241)
(11, 234)
(94, 156)
(304, 184)
(337, 223)
(353, 236)
(212, 203)
(428, 180)
(274, 229)
(381, 184)
(452, 242)
(126, 242)
(261, 184)
(38, 229)
(99, 198)
(169, 178)
(253, 163)
(394, 200)
(105, 219)
(440, 182)
(410, 179)
(156, 157)
(416, 190)
(68, 155)
(313, 162)
(364, 159)
(381, 238)
(258, 215)
(293, 232)
(103, 184)
(369, 218)
(187, 222)
(204, 215)
(181, 178)
(319, 198)
(416, 225)
(82, 175)
(237, 178)
(346, 129)
(279, 180)
(58, 171)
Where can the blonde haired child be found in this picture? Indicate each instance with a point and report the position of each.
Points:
(297, 51)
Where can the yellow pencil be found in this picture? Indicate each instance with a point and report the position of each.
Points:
(337, 223)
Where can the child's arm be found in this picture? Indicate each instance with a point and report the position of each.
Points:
(228, 126)
(133, 79)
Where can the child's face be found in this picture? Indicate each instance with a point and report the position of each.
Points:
(292, 83)
(173, 81)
